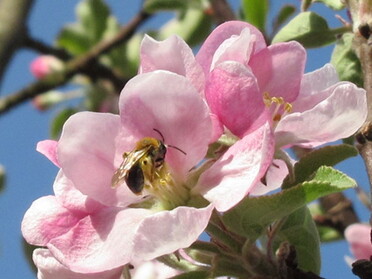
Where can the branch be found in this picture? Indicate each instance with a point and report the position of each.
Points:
(13, 17)
(363, 48)
(222, 11)
(97, 69)
(76, 65)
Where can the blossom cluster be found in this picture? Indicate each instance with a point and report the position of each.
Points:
(237, 90)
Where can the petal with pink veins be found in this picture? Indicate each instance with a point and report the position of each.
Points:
(87, 152)
(338, 116)
(167, 231)
(172, 55)
(233, 95)
(237, 172)
(279, 69)
(169, 103)
(222, 33)
(100, 241)
(50, 268)
(47, 219)
(49, 149)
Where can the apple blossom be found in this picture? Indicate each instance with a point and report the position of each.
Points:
(248, 83)
(90, 227)
(359, 238)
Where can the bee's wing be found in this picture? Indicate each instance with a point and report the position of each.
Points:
(129, 161)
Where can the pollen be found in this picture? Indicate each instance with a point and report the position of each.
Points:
(277, 105)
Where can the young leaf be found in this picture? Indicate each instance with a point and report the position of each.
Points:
(328, 156)
(251, 216)
(93, 16)
(74, 39)
(197, 274)
(309, 29)
(345, 60)
(300, 231)
(333, 4)
(153, 6)
(255, 12)
(193, 26)
(59, 120)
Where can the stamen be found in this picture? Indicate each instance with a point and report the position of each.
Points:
(278, 106)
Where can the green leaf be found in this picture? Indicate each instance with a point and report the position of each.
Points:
(153, 6)
(93, 16)
(74, 39)
(333, 4)
(309, 29)
(328, 156)
(197, 274)
(284, 14)
(59, 120)
(255, 12)
(193, 26)
(300, 230)
(251, 216)
(345, 60)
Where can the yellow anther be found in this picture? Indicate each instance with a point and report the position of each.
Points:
(288, 107)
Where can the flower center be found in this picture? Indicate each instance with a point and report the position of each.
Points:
(278, 107)
(165, 192)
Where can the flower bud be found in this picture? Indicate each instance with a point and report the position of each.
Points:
(44, 65)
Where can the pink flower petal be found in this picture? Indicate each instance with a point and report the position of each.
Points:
(222, 33)
(47, 219)
(359, 238)
(173, 55)
(314, 87)
(233, 95)
(169, 103)
(72, 199)
(49, 149)
(338, 116)
(237, 48)
(274, 178)
(168, 231)
(236, 173)
(89, 155)
(50, 268)
(279, 69)
(100, 241)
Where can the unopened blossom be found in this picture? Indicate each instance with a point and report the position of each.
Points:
(44, 65)
(94, 227)
(359, 238)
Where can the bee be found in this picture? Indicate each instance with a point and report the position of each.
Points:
(143, 164)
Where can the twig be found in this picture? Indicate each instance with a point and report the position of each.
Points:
(222, 11)
(97, 70)
(363, 49)
(13, 16)
(76, 65)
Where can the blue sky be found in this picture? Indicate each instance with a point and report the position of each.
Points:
(30, 175)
